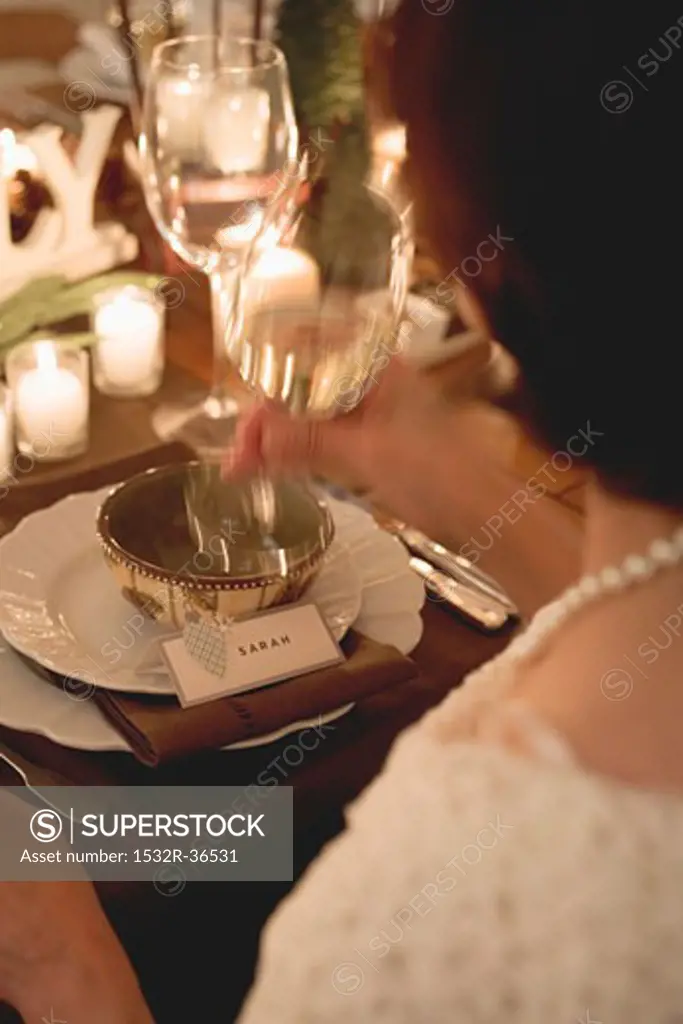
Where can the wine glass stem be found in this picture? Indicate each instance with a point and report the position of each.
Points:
(223, 280)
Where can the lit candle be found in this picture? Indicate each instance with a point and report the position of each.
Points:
(390, 144)
(282, 278)
(182, 103)
(128, 356)
(390, 149)
(50, 403)
(236, 129)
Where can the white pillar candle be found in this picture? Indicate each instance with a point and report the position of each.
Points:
(236, 129)
(282, 278)
(51, 405)
(128, 353)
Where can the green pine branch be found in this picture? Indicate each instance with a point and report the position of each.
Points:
(321, 41)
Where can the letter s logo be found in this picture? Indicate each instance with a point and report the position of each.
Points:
(46, 826)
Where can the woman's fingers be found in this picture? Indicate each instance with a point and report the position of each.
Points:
(244, 457)
(271, 440)
(291, 445)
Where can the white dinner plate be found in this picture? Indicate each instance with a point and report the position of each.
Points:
(61, 607)
(54, 602)
(29, 704)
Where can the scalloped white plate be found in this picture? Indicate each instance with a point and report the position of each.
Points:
(62, 602)
(61, 607)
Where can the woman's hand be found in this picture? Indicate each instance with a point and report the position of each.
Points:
(59, 958)
(387, 446)
(440, 466)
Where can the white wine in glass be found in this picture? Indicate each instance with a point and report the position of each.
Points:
(317, 320)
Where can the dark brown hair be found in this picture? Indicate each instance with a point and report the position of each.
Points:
(555, 127)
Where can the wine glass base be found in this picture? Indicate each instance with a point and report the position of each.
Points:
(207, 427)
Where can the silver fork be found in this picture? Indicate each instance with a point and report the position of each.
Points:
(28, 774)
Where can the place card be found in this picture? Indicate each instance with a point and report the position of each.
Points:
(278, 644)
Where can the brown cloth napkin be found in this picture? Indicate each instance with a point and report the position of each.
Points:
(158, 729)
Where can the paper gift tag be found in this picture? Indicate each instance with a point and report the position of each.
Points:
(265, 649)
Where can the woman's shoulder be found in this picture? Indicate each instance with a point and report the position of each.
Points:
(473, 880)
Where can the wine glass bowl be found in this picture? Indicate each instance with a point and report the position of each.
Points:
(218, 138)
(219, 130)
(318, 319)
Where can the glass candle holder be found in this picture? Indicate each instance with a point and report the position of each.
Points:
(128, 356)
(50, 399)
(6, 434)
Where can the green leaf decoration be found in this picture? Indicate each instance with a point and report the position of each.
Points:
(77, 300)
(17, 323)
(48, 301)
(35, 291)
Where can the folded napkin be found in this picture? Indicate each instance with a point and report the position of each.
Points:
(158, 729)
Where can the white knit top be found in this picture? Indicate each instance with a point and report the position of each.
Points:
(478, 885)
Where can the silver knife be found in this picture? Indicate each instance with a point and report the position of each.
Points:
(455, 565)
(486, 612)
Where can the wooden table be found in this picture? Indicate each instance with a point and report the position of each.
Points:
(195, 953)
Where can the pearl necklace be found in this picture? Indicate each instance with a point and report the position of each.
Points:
(662, 554)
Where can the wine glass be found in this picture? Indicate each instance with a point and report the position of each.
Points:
(218, 151)
(318, 318)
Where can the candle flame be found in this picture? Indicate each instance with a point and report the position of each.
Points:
(46, 356)
(391, 144)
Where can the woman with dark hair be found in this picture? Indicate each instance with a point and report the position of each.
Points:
(520, 858)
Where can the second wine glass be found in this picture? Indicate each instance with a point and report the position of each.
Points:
(319, 318)
(218, 148)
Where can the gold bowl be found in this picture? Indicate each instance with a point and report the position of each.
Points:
(180, 538)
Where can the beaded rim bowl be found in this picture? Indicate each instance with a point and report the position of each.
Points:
(138, 515)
